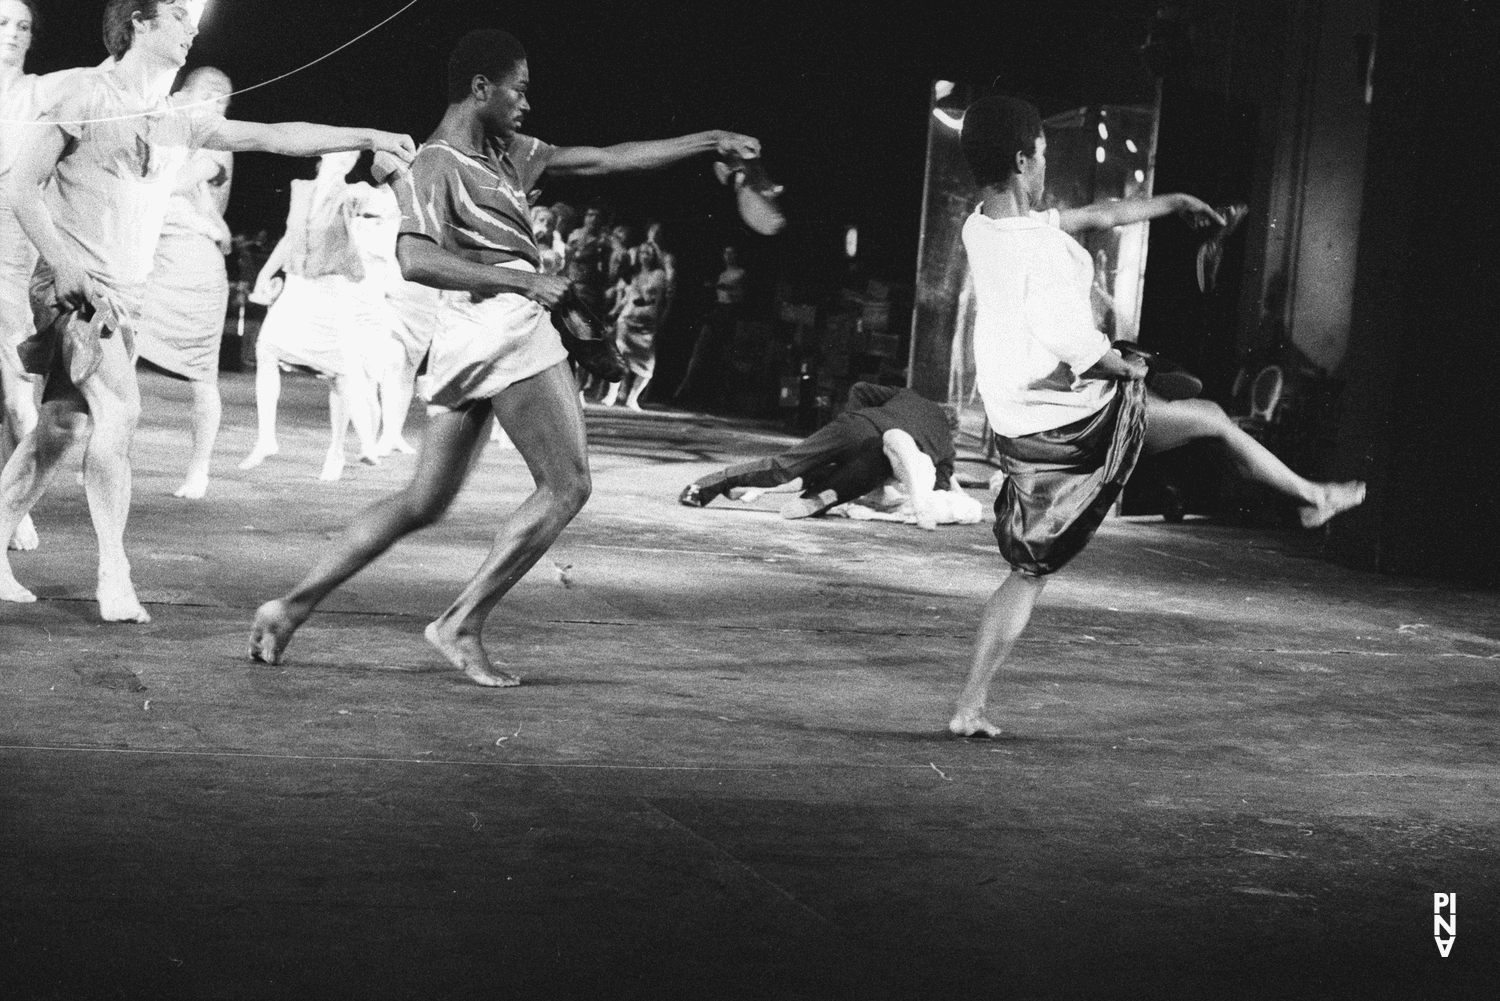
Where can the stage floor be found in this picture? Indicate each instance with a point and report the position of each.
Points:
(1235, 770)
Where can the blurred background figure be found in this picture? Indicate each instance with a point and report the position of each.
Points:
(23, 97)
(729, 302)
(187, 295)
(323, 311)
(549, 242)
(588, 260)
(565, 219)
(642, 306)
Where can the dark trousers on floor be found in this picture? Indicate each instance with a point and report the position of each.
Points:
(846, 456)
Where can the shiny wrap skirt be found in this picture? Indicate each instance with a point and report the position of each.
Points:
(1060, 484)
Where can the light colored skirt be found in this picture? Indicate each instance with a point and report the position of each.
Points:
(481, 348)
(187, 295)
(329, 324)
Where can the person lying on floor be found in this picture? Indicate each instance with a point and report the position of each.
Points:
(881, 433)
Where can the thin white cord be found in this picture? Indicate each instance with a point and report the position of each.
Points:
(216, 100)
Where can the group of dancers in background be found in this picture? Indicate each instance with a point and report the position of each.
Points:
(111, 249)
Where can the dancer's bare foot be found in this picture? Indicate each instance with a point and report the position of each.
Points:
(275, 622)
(1336, 499)
(262, 451)
(11, 589)
(971, 723)
(389, 446)
(118, 603)
(333, 468)
(24, 539)
(633, 405)
(467, 654)
(193, 488)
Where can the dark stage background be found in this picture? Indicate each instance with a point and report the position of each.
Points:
(837, 93)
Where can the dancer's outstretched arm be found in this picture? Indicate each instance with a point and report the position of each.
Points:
(1107, 215)
(304, 139)
(592, 161)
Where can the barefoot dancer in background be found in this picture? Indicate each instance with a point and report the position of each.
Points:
(91, 191)
(182, 320)
(23, 96)
(1070, 414)
(331, 315)
(467, 229)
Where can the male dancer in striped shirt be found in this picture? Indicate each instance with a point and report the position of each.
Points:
(466, 229)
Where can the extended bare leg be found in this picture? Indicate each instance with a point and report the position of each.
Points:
(18, 395)
(637, 387)
(31, 469)
(338, 420)
(543, 418)
(208, 409)
(1169, 425)
(396, 391)
(451, 441)
(114, 402)
(267, 397)
(1004, 619)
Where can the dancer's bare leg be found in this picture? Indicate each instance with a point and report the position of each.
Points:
(114, 403)
(638, 386)
(338, 419)
(543, 418)
(1004, 619)
(359, 396)
(611, 394)
(395, 401)
(450, 443)
(267, 397)
(207, 411)
(18, 396)
(911, 467)
(1169, 425)
(31, 469)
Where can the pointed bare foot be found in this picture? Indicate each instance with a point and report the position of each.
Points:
(11, 589)
(633, 405)
(971, 723)
(272, 631)
(262, 451)
(195, 487)
(1336, 499)
(333, 469)
(24, 539)
(118, 603)
(467, 654)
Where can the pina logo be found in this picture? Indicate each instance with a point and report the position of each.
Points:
(1445, 921)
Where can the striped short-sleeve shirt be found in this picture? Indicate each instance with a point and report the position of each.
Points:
(475, 206)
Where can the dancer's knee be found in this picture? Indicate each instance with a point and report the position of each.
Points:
(573, 492)
(58, 429)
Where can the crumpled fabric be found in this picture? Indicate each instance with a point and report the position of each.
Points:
(71, 337)
(1060, 484)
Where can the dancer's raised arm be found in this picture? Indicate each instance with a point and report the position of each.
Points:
(1107, 215)
(305, 139)
(593, 161)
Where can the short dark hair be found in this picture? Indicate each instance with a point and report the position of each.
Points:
(489, 53)
(995, 130)
(119, 22)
